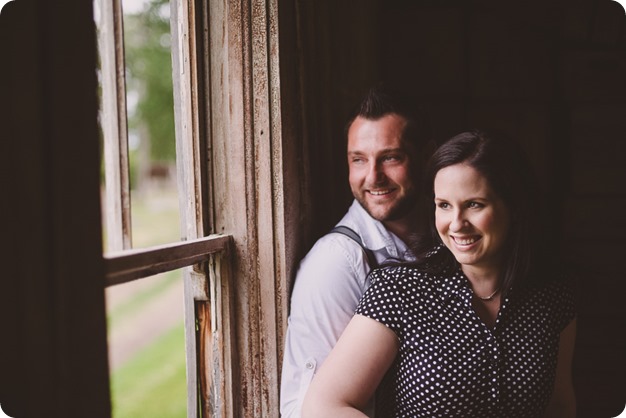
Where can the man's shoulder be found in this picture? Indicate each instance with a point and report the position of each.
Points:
(334, 245)
(334, 261)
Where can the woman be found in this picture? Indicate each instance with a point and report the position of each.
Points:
(481, 326)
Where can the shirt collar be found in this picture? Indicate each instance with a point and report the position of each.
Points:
(453, 284)
(373, 233)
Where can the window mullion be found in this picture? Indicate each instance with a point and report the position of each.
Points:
(115, 127)
(189, 169)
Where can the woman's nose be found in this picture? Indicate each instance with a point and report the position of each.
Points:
(457, 222)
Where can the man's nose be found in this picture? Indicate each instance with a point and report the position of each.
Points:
(375, 174)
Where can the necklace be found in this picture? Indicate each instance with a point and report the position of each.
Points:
(490, 297)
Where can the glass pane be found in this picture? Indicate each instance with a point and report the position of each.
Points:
(147, 347)
(145, 317)
(150, 115)
(151, 135)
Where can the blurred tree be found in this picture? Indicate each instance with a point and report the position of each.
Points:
(149, 78)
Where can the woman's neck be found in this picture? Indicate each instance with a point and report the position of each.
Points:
(484, 280)
(485, 284)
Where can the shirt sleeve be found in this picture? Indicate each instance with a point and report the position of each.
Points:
(383, 300)
(565, 303)
(327, 289)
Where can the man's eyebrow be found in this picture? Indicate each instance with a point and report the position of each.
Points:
(387, 151)
(382, 151)
(355, 152)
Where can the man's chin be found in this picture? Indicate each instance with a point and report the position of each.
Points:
(388, 213)
(382, 214)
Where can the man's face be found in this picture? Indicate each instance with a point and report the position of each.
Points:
(381, 176)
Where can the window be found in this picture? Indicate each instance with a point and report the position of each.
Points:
(199, 254)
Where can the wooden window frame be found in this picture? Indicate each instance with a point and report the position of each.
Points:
(242, 67)
(114, 123)
(238, 158)
(200, 254)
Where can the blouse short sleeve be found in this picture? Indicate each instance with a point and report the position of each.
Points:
(563, 294)
(383, 301)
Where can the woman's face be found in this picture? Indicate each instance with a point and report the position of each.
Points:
(471, 220)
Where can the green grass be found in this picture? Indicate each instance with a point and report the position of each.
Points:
(152, 384)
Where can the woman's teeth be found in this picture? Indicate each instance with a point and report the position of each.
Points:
(465, 241)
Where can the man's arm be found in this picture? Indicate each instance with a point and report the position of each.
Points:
(328, 287)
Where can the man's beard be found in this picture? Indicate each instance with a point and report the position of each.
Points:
(398, 211)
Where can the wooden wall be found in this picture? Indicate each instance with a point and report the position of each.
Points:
(336, 44)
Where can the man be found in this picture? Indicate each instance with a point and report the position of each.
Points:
(386, 148)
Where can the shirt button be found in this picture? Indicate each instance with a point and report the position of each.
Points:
(309, 365)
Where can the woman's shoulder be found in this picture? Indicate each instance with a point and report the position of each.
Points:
(422, 274)
(555, 295)
(402, 275)
(557, 284)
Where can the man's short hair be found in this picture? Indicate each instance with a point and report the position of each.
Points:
(382, 100)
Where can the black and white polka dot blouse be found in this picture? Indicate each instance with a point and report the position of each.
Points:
(450, 364)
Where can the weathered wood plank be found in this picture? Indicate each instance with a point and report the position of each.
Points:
(266, 139)
(114, 125)
(215, 341)
(248, 178)
(191, 154)
(129, 265)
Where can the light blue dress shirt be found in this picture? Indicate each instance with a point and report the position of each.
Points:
(329, 284)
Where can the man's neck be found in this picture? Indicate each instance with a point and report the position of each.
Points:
(415, 222)
(405, 227)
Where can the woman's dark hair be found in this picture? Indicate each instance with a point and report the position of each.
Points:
(508, 172)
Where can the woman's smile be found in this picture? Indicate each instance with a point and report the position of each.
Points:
(471, 220)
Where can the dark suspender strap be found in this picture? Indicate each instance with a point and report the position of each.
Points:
(369, 254)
